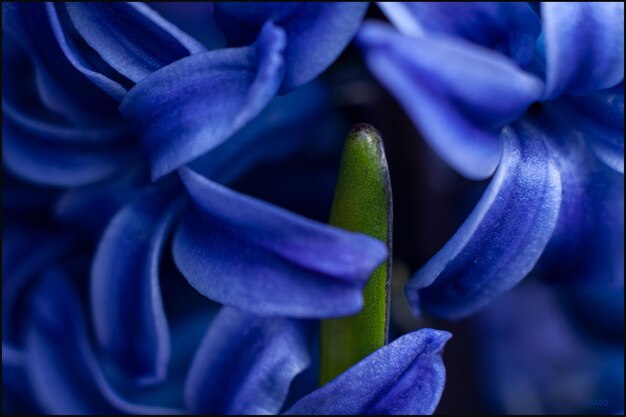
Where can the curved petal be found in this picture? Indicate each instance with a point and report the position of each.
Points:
(503, 237)
(151, 44)
(105, 80)
(584, 45)
(404, 377)
(510, 28)
(63, 370)
(245, 364)
(600, 118)
(316, 32)
(216, 94)
(126, 302)
(289, 126)
(61, 88)
(27, 250)
(461, 106)
(259, 258)
(588, 242)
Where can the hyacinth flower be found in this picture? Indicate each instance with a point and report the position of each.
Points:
(534, 97)
(68, 57)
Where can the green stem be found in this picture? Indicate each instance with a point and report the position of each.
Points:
(362, 203)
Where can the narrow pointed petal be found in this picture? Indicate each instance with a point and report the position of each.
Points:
(404, 377)
(584, 45)
(459, 107)
(62, 366)
(216, 94)
(600, 118)
(153, 43)
(502, 238)
(126, 301)
(510, 28)
(245, 364)
(317, 33)
(260, 258)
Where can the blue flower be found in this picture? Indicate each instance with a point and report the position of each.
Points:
(79, 84)
(535, 95)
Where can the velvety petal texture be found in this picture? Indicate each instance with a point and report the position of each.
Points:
(404, 377)
(584, 43)
(126, 302)
(153, 43)
(510, 28)
(502, 238)
(245, 364)
(459, 107)
(189, 107)
(260, 258)
(316, 32)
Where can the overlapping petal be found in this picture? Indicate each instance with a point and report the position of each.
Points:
(584, 43)
(153, 43)
(245, 364)
(459, 95)
(62, 367)
(191, 106)
(503, 237)
(511, 28)
(128, 313)
(259, 258)
(316, 32)
(404, 377)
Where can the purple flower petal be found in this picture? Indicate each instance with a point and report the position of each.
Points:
(259, 258)
(316, 32)
(584, 45)
(128, 313)
(511, 28)
(188, 108)
(404, 377)
(460, 106)
(152, 43)
(245, 364)
(503, 237)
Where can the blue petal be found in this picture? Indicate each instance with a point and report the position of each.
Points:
(245, 364)
(460, 107)
(152, 43)
(600, 118)
(60, 86)
(128, 313)
(290, 125)
(503, 237)
(511, 28)
(405, 377)
(584, 45)
(63, 370)
(27, 250)
(317, 33)
(78, 58)
(588, 241)
(216, 94)
(259, 258)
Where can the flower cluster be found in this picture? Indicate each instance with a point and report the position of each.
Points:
(168, 171)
